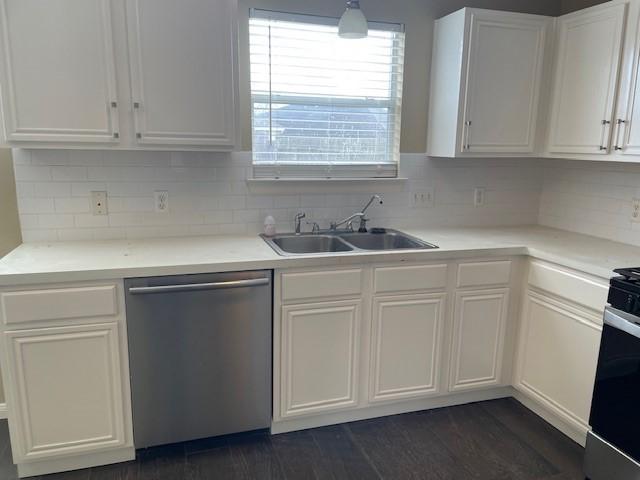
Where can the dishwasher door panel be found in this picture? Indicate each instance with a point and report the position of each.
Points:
(200, 360)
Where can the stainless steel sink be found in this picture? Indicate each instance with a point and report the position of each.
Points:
(344, 242)
(304, 244)
(390, 240)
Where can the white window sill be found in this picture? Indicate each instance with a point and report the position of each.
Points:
(324, 185)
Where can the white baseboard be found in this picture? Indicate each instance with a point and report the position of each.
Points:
(66, 464)
(322, 420)
(3, 411)
(578, 435)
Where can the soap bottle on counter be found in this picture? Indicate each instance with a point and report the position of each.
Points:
(269, 226)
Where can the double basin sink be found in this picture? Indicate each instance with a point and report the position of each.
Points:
(344, 242)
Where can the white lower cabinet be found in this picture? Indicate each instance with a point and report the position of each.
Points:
(65, 371)
(67, 395)
(319, 357)
(405, 346)
(480, 318)
(558, 353)
(351, 343)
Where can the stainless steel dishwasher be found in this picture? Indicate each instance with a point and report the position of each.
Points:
(199, 354)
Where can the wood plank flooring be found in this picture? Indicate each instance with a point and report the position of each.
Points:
(494, 440)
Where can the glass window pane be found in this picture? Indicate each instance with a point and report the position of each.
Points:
(318, 99)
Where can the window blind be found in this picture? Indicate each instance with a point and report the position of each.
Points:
(323, 106)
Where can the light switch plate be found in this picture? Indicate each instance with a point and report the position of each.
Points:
(423, 199)
(635, 210)
(161, 200)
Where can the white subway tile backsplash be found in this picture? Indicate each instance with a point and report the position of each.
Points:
(593, 198)
(208, 194)
(60, 173)
(35, 205)
(55, 221)
(72, 205)
(30, 173)
(51, 189)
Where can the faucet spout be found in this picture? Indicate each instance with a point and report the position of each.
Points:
(360, 215)
(375, 197)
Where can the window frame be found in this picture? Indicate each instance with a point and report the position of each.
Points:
(338, 170)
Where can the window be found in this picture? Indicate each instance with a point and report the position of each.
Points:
(323, 106)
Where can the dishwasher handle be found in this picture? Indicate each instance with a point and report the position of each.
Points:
(194, 287)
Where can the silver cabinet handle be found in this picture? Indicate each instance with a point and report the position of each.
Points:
(193, 287)
(605, 126)
(467, 145)
(620, 125)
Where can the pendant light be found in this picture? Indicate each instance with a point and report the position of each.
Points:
(353, 23)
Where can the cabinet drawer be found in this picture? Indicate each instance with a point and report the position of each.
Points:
(407, 278)
(320, 284)
(578, 289)
(479, 274)
(55, 304)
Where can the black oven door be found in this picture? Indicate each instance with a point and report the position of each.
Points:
(615, 409)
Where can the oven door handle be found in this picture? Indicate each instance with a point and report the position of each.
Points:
(622, 321)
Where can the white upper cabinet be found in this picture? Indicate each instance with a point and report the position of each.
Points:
(183, 71)
(588, 53)
(57, 71)
(487, 73)
(626, 139)
(131, 74)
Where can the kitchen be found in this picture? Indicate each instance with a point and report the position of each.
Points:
(275, 239)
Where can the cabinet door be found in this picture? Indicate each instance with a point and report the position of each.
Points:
(504, 74)
(67, 396)
(557, 357)
(57, 71)
(627, 134)
(478, 338)
(586, 76)
(183, 71)
(405, 346)
(319, 363)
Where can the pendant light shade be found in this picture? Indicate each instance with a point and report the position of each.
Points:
(353, 23)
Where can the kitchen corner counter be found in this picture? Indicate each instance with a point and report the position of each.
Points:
(33, 263)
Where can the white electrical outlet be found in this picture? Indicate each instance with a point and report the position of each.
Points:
(635, 210)
(161, 201)
(423, 199)
(479, 194)
(99, 203)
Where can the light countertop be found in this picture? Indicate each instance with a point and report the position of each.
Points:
(33, 263)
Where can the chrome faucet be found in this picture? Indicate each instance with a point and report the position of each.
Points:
(315, 228)
(298, 219)
(361, 215)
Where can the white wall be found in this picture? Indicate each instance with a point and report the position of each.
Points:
(209, 195)
(9, 226)
(594, 198)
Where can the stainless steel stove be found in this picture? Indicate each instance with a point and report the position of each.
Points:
(613, 445)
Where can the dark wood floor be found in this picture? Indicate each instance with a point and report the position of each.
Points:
(498, 439)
